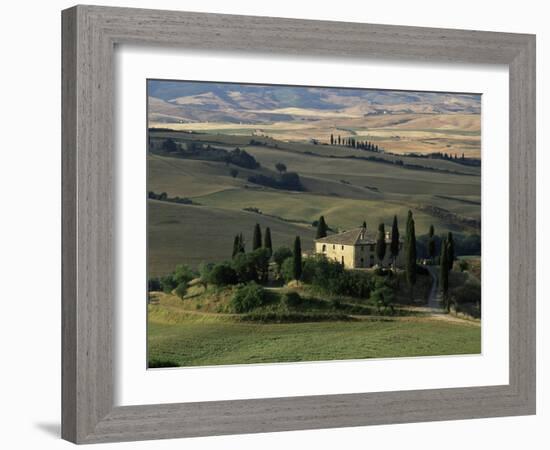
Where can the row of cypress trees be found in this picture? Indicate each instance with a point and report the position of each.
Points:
(353, 143)
(239, 244)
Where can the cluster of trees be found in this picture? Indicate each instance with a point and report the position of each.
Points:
(446, 249)
(284, 180)
(163, 196)
(289, 181)
(243, 268)
(331, 277)
(241, 158)
(197, 150)
(448, 157)
(251, 269)
(263, 143)
(429, 245)
(176, 281)
(351, 142)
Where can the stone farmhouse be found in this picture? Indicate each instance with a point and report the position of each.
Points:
(356, 249)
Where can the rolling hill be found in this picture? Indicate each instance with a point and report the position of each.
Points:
(344, 190)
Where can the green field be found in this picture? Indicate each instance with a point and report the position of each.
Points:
(201, 329)
(202, 342)
(193, 234)
(345, 191)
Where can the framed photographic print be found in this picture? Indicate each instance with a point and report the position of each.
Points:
(276, 224)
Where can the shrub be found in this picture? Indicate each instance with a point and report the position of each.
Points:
(287, 269)
(253, 266)
(167, 284)
(318, 270)
(280, 255)
(469, 292)
(245, 267)
(247, 297)
(182, 274)
(204, 272)
(260, 259)
(331, 277)
(222, 274)
(291, 299)
(181, 290)
(383, 297)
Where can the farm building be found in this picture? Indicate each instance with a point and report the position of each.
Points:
(356, 249)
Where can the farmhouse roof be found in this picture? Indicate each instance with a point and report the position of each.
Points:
(355, 236)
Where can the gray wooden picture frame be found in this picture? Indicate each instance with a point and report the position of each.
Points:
(89, 37)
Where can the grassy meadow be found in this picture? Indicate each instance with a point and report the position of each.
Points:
(199, 330)
(204, 343)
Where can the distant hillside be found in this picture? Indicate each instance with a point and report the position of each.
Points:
(172, 101)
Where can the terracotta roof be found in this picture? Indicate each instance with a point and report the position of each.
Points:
(351, 237)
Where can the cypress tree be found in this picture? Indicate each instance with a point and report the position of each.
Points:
(331, 139)
(444, 272)
(450, 250)
(431, 243)
(297, 257)
(394, 247)
(241, 243)
(410, 248)
(257, 237)
(236, 246)
(267, 241)
(381, 243)
(321, 228)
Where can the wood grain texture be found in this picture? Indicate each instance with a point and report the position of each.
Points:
(89, 37)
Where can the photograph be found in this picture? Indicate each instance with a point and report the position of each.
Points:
(311, 223)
